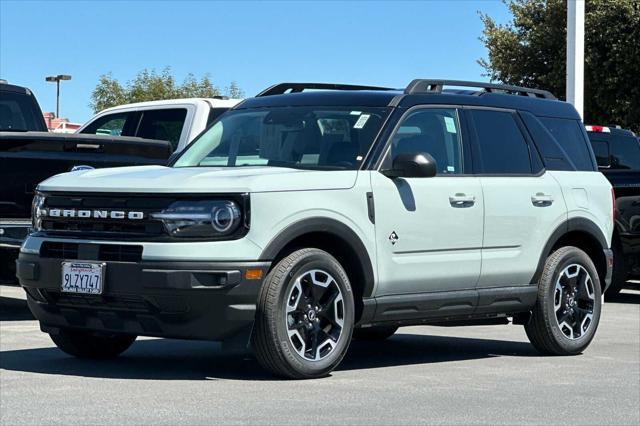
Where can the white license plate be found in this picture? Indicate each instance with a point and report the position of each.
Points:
(82, 277)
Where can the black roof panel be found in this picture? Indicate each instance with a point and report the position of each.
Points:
(536, 106)
(324, 97)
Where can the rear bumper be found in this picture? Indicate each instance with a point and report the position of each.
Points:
(190, 300)
(13, 232)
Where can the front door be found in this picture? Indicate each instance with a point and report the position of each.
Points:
(428, 230)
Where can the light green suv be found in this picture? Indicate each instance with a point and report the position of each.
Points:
(303, 218)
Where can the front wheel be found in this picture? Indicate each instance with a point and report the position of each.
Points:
(304, 316)
(567, 312)
(82, 344)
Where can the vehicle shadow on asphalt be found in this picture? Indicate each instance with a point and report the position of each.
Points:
(12, 309)
(166, 359)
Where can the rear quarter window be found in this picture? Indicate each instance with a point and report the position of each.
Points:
(570, 135)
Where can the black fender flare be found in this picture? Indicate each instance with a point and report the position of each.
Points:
(574, 224)
(328, 226)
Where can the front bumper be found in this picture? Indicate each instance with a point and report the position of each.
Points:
(13, 232)
(190, 300)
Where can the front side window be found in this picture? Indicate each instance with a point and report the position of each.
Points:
(110, 124)
(503, 149)
(432, 131)
(309, 137)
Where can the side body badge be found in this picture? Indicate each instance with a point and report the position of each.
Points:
(393, 238)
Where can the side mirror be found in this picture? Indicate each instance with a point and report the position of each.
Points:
(412, 165)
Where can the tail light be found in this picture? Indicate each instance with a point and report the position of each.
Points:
(598, 129)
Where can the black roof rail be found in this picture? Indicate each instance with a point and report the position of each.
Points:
(281, 88)
(436, 86)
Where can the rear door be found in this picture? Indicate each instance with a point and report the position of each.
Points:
(523, 204)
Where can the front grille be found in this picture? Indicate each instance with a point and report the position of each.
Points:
(101, 252)
(119, 302)
(59, 250)
(105, 227)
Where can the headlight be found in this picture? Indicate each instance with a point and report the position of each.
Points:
(200, 219)
(36, 217)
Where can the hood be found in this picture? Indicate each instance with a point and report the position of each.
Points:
(161, 179)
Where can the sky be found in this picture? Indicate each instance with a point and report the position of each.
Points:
(255, 44)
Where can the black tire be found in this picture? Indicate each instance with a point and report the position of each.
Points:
(375, 333)
(543, 328)
(275, 350)
(82, 344)
(619, 275)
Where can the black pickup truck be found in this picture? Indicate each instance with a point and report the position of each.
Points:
(618, 154)
(29, 155)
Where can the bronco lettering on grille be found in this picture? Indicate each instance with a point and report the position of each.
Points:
(96, 214)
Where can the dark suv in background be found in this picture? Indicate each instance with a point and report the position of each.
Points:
(618, 155)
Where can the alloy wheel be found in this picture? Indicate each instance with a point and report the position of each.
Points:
(314, 314)
(574, 301)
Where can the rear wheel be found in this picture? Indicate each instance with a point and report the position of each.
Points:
(83, 344)
(375, 333)
(304, 317)
(567, 312)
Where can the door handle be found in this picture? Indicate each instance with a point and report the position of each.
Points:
(541, 200)
(462, 200)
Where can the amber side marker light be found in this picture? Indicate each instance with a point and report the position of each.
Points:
(253, 274)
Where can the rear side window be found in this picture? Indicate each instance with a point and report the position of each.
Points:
(119, 124)
(570, 135)
(503, 148)
(162, 124)
(601, 150)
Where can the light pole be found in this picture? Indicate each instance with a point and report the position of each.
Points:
(575, 54)
(57, 79)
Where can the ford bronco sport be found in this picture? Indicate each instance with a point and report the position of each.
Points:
(303, 218)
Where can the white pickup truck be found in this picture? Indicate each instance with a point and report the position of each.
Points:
(178, 121)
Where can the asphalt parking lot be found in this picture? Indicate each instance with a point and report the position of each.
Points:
(472, 375)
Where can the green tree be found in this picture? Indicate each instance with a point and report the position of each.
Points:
(149, 85)
(107, 93)
(233, 91)
(530, 50)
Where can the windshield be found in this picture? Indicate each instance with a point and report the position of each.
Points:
(310, 137)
